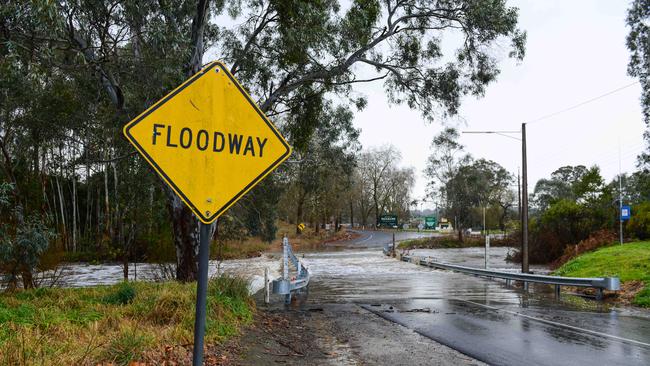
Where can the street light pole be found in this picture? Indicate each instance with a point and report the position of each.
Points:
(620, 196)
(524, 200)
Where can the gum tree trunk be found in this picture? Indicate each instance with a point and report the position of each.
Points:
(186, 237)
(184, 223)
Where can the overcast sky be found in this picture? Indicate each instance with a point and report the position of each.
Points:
(575, 51)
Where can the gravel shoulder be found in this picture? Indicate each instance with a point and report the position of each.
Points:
(337, 334)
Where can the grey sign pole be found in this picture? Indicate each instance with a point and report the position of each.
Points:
(201, 295)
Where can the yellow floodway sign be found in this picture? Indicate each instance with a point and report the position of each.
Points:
(209, 141)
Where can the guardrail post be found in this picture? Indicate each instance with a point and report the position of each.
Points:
(393, 244)
(526, 286)
(557, 291)
(599, 293)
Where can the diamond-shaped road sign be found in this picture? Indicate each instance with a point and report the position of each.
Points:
(209, 141)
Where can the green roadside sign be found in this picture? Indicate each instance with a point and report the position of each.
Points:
(387, 221)
(430, 222)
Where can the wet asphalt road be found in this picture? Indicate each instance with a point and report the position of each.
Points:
(481, 318)
(378, 239)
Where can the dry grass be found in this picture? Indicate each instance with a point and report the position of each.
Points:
(115, 324)
(254, 246)
(308, 238)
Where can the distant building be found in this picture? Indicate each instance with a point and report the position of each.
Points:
(445, 225)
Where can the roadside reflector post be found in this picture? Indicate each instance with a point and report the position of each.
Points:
(285, 266)
(267, 291)
(487, 251)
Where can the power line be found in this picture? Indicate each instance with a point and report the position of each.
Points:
(582, 103)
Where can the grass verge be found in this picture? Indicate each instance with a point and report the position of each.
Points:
(136, 321)
(630, 262)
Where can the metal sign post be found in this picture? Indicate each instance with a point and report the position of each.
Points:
(201, 294)
(211, 144)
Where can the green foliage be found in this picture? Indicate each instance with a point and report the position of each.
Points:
(123, 294)
(447, 241)
(68, 326)
(639, 223)
(477, 184)
(629, 262)
(22, 245)
(67, 86)
(638, 42)
(642, 298)
(465, 184)
(570, 206)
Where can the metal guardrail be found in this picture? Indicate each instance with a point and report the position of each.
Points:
(290, 282)
(599, 283)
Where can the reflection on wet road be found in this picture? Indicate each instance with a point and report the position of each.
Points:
(482, 318)
(377, 239)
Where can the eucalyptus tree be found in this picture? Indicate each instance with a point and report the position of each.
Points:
(447, 156)
(495, 188)
(382, 186)
(129, 53)
(638, 42)
(399, 199)
(475, 184)
(325, 156)
(376, 165)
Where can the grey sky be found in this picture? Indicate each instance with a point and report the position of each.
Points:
(575, 51)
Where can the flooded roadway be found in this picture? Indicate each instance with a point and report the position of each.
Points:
(482, 318)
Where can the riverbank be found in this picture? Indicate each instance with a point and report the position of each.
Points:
(135, 321)
(451, 241)
(630, 262)
(249, 247)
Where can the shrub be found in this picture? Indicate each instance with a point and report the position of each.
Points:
(639, 224)
(596, 240)
(20, 252)
(127, 346)
(21, 243)
(563, 224)
(124, 294)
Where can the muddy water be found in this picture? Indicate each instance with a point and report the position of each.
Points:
(81, 274)
(475, 257)
(367, 265)
(365, 275)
